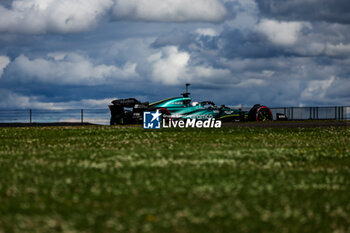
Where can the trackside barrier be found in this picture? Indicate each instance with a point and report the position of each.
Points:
(102, 116)
(96, 116)
(314, 113)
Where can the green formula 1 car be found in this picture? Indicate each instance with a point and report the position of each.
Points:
(130, 111)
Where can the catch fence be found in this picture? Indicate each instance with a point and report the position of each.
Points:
(95, 116)
(102, 116)
(314, 113)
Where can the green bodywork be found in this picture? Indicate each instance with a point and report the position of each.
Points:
(181, 108)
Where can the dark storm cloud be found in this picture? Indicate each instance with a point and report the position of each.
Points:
(176, 37)
(230, 44)
(6, 3)
(187, 40)
(336, 11)
(236, 43)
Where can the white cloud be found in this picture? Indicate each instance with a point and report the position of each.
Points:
(251, 83)
(246, 14)
(170, 10)
(281, 33)
(208, 72)
(307, 48)
(43, 16)
(337, 50)
(71, 68)
(8, 99)
(4, 61)
(207, 32)
(172, 67)
(317, 89)
(70, 16)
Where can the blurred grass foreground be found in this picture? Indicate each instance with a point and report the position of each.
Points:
(126, 179)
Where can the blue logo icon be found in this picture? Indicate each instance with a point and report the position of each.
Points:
(151, 120)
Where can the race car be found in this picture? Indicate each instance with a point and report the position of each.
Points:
(130, 111)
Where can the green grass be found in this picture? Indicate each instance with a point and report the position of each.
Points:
(109, 179)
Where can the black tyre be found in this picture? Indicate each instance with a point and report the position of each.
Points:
(260, 113)
(127, 119)
(252, 112)
(112, 121)
(116, 121)
(264, 114)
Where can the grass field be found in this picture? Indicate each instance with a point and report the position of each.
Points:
(109, 179)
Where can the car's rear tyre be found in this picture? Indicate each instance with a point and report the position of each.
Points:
(260, 113)
(112, 121)
(116, 121)
(264, 114)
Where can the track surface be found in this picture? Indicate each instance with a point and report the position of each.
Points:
(289, 124)
(275, 124)
(43, 124)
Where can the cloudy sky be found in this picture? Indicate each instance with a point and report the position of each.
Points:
(83, 53)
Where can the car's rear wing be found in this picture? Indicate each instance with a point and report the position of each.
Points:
(128, 103)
